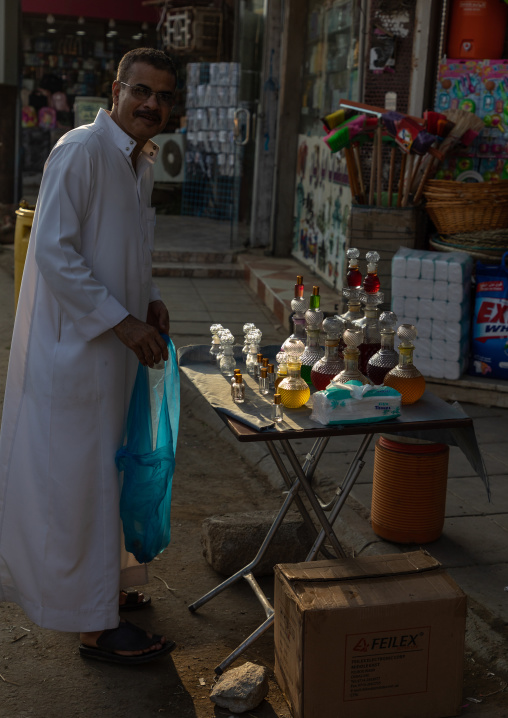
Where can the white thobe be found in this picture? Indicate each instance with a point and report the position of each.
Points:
(70, 379)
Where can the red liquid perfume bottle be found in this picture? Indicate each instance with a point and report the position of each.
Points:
(371, 282)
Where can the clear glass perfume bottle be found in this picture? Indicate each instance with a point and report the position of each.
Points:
(332, 363)
(254, 339)
(313, 320)
(227, 361)
(293, 389)
(215, 347)
(264, 387)
(353, 276)
(352, 339)
(282, 367)
(233, 379)
(257, 368)
(299, 306)
(405, 377)
(386, 358)
(371, 282)
(277, 409)
(248, 327)
(271, 377)
(238, 389)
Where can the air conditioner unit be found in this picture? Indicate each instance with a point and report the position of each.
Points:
(170, 164)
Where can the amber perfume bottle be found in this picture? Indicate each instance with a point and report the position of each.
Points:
(332, 363)
(405, 377)
(293, 389)
(386, 358)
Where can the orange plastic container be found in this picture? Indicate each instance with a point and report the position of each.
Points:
(477, 29)
(409, 490)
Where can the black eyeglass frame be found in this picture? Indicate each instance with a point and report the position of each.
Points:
(166, 99)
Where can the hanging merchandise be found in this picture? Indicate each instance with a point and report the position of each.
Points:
(147, 458)
(490, 323)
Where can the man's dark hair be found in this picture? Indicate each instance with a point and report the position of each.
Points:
(148, 55)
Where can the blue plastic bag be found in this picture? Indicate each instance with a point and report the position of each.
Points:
(147, 458)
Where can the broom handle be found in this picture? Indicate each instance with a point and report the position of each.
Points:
(423, 181)
(351, 172)
(401, 180)
(356, 152)
(407, 179)
(416, 171)
(379, 166)
(390, 176)
(372, 171)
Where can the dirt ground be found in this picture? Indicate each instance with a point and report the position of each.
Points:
(43, 676)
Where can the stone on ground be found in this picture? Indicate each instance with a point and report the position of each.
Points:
(241, 689)
(231, 541)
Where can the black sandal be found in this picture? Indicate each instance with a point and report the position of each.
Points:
(132, 602)
(126, 637)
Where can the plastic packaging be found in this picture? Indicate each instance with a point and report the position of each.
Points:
(147, 459)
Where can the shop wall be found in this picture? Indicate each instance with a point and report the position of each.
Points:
(322, 196)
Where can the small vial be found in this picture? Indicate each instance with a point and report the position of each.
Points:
(233, 379)
(271, 377)
(264, 387)
(238, 389)
(277, 409)
(257, 367)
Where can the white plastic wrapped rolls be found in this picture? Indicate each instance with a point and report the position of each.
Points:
(432, 291)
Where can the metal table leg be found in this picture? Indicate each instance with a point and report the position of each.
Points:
(303, 476)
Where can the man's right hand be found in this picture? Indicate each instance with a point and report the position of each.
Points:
(144, 340)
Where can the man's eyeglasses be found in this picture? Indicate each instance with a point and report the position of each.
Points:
(140, 92)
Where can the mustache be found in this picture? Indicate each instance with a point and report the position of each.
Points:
(146, 113)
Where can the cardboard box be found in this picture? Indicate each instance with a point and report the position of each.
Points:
(375, 636)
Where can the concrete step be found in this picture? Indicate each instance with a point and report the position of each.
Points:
(196, 269)
(174, 256)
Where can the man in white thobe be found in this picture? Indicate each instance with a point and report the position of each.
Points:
(87, 312)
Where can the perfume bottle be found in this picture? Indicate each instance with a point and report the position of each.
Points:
(227, 361)
(254, 339)
(313, 351)
(277, 409)
(282, 367)
(233, 379)
(371, 282)
(257, 366)
(352, 339)
(248, 327)
(371, 337)
(215, 348)
(293, 389)
(405, 377)
(353, 276)
(264, 387)
(299, 305)
(386, 358)
(238, 389)
(332, 363)
(271, 377)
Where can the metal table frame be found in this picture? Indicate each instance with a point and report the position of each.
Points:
(278, 442)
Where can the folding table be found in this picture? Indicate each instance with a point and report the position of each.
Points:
(430, 418)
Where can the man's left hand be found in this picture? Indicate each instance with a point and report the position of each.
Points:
(158, 316)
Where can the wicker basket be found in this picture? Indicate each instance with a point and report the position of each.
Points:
(467, 207)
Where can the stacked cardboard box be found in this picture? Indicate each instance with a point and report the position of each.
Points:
(432, 291)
